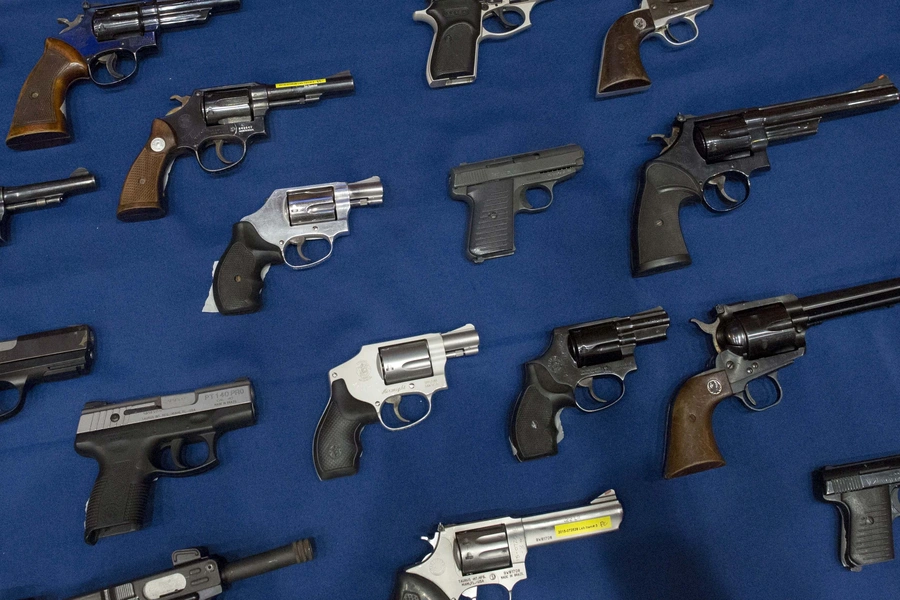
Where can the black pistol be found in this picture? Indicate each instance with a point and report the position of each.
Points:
(40, 357)
(40, 195)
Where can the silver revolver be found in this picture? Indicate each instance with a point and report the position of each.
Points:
(381, 375)
(492, 552)
(291, 216)
(458, 30)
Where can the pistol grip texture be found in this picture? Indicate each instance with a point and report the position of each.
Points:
(868, 525)
(455, 47)
(691, 445)
(415, 587)
(238, 281)
(657, 242)
(40, 118)
(337, 448)
(144, 193)
(118, 501)
(621, 69)
(491, 220)
(534, 430)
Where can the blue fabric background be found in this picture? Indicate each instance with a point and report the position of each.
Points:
(825, 217)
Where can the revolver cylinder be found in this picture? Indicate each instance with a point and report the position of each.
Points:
(482, 550)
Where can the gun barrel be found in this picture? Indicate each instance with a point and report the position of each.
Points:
(177, 13)
(38, 195)
(293, 554)
(290, 94)
(821, 307)
(602, 341)
(602, 515)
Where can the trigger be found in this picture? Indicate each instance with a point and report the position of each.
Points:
(175, 449)
(719, 182)
(502, 18)
(395, 401)
(306, 258)
(219, 145)
(111, 61)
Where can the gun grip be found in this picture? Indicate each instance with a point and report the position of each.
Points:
(534, 433)
(238, 281)
(657, 242)
(416, 587)
(144, 191)
(691, 445)
(337, 448)
(621, 68)
(39, 120)
(457, 29)
(118, 501)
(491, 220)
(868, 525)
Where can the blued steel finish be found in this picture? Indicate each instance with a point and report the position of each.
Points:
(40, 195)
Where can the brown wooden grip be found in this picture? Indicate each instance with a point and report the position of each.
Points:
(144, 193)
(621, 69)
(692, 444)
(40, 117)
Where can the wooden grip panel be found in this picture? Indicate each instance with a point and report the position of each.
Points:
(144, 192)
(621, 69)
(692, 445)
(40, 118)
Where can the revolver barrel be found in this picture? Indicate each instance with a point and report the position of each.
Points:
(604, 340)
(821, 307)
(290, 94)
(40, 195)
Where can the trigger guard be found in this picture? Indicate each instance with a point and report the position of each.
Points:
(750, 402)
(666, 35)
(408, 425)
(718, 182)
(303, 240)
(500, 17)
(528, 208)
(603, 401)
(225, 167)
(511, 29)
(98, 63)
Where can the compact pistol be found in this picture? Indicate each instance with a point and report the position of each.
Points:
(496, 191)
(40, 195)
(381, 375)
(577, 355)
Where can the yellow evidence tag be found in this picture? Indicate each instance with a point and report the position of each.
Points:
(580, 527)
(299, 83)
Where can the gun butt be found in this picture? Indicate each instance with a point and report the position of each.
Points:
(621, 68)
(691, 444)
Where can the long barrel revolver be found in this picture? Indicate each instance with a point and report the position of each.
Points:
(93, 45)
(40, 195)
(577, 355)
(621, 68)
(492, 552)
(496, 191)
(291, 216)
(867, 497)
(711, 151)
(459, 29)
(195, 574)
(381, 375)
(212, 118)
(753, 340)
(139, 441)
(41, 357)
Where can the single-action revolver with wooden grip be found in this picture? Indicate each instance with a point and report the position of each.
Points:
(721, 151)
(621, 69)
(577, 355)
(459, 28)
(381, 375)
(103, 44)
(753, 340)
(225, 119)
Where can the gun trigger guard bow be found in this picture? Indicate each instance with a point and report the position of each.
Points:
(665, 32)
(523, 10)
(299, 242)
(219, 144)
(526, 207)
(20, 385)
(110, 61)
(729, 203)
(395, 402)
(604, 403)
(176, 448)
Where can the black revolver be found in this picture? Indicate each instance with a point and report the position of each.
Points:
(40, 195)
(136, 442)
(866, 497)
(709, 151)
(495, 191)
(195, 574)
(41, 357)
(92, 46)
(577, 355)
(212, 118)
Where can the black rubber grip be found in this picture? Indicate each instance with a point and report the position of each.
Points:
(298, 552)
(337, 448)
(492, 214)
(870, 538)
(238, 282)
(657, 242)
(456, 38)
(118, 501)
(533, 432)
(415, 587)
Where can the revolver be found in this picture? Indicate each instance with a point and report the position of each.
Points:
(381, 375)
(41, 357)
(458, 30)
(291, 216)
(195, 574)
(40, 195)
(711, 151)
(139, 441)
(492, 552)
(865, 495)
(496, 191)
(753, 340)
(212, 118)
(621, 69)
(91, 46)
(576, 356)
